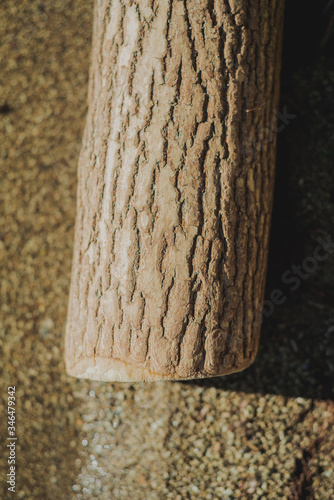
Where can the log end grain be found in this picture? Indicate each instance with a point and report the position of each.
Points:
(115, 370)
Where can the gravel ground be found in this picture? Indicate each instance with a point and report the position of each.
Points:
(264, 433)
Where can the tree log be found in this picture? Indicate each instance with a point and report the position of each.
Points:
(175, 188)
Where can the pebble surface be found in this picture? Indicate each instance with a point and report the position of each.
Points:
(264, 433)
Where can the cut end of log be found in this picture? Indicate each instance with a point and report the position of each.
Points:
(114, 370)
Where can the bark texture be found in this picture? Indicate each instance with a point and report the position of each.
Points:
(175, 189)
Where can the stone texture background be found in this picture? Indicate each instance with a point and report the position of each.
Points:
(264, 433)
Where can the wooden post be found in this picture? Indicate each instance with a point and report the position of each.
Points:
(175, 189)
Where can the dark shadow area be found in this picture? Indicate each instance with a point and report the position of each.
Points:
(296, 355)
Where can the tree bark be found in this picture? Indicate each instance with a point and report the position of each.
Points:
(175, 189)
